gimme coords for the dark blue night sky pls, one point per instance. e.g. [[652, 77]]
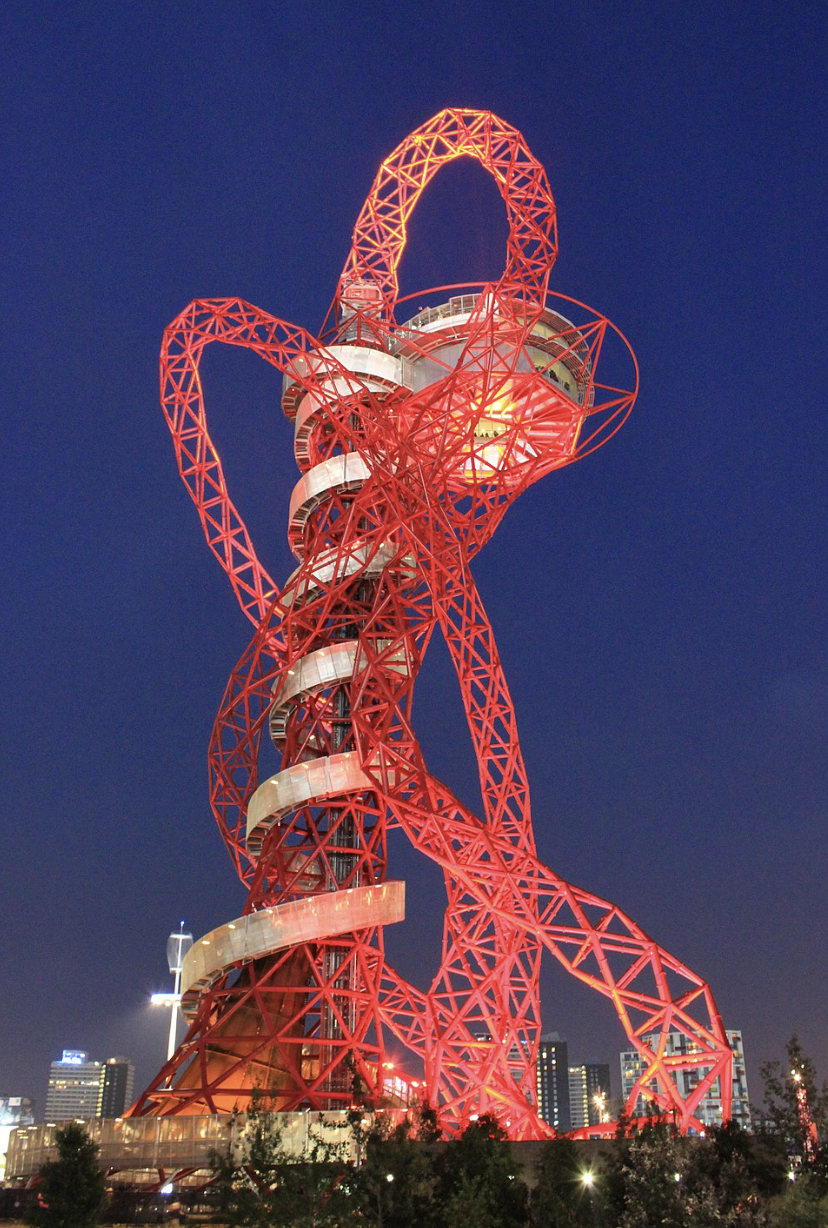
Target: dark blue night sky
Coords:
[[660, 607]]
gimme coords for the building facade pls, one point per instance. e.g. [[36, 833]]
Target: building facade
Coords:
[[553, 1082], [710, 1107], [589, 1094], [74, 1085], [80, 1088], [14, 1111], [116, 1087]]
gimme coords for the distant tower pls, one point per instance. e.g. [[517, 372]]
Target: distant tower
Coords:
[[74, 1087], [116, 1087], [589, 1094], [79, 1087], [553, 1082]]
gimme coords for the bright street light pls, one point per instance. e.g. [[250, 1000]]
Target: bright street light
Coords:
[[178, 944], [165, 999]]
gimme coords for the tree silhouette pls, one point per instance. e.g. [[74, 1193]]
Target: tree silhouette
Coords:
[[478, 1182], [262, 1185], [563, 1197], [780, 1109], [71, 1190]]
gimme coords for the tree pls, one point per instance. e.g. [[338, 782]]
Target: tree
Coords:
[[261, 1185], [71, 1189], [614, 1166], [664, 1180], [394, 1185], [652, 1179], [780, 1108], [801, 1207], [476, 1179], [566, 1191], [733, 1173], [747, 1170]]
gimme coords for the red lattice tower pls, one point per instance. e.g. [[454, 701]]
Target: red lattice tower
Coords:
[[412, 440], [808, 1136]]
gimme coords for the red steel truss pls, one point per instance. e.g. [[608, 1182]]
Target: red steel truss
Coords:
[[412, 440], [808, 1136]]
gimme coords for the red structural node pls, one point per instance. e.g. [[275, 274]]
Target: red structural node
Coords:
[[412, 439]]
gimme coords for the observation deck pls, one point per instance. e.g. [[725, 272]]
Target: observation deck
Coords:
[[431, 342]]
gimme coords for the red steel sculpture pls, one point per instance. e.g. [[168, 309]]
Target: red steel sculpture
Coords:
[[412, 440]]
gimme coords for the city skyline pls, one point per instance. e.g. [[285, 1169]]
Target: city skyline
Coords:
[[621, 1067], [677, 704]]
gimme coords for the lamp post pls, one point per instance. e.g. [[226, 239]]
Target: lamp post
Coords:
[[178, 944], [600, 1102], [588, 1182]]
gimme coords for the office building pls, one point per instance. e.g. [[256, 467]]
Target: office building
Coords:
[[710, 1106], [553, 1082], [589, 1094], [80, 1088], [115, 1094], [14, 1111], [74, 1084]]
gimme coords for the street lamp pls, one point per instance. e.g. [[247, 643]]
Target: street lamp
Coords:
[[178, 944], [600, 1102], [588, 1181]]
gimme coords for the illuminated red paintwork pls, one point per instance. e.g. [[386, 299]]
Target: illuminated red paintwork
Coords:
[[808, 1135], [413, 442]]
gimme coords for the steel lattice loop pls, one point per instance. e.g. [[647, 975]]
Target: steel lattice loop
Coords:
[[412, 439]]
